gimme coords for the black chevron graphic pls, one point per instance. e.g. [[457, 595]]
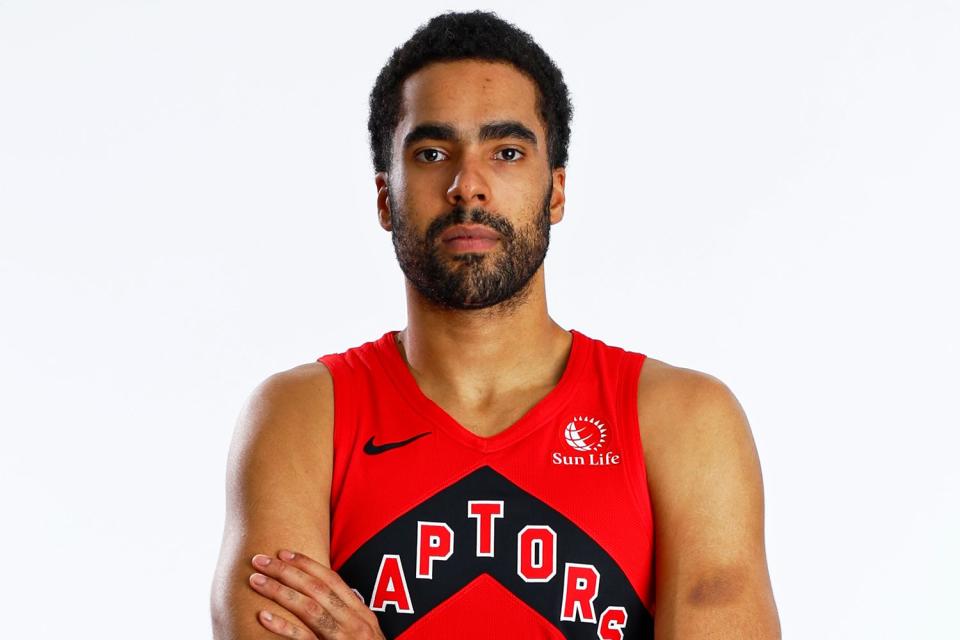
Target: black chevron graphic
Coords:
[[450, 576]]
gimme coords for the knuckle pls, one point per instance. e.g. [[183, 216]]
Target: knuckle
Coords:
[[282, 568], [358, 624], [326, 622], [336, 601], [289, 572], [366, 632], [318, 588], [333, 577], [313, 608], [281, 623], [270, 587]]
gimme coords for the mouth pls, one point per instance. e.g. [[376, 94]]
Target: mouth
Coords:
[[469, 232], [472, 238]]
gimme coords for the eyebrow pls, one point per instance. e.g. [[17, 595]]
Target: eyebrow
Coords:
[[488, 131], [507, 129]]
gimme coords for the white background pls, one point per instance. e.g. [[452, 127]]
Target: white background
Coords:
[[764, 191]]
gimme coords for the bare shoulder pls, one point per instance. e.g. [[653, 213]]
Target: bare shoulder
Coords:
[[295, 392], [676, 403], [303, 377], [706, 490], [278, 478], [680, 382], [285, 427]]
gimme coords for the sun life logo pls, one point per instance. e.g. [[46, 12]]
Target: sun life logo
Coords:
[[585, 434]]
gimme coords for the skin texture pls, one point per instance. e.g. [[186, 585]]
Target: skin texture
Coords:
[[703, 470], [468, 280], [707, 492]]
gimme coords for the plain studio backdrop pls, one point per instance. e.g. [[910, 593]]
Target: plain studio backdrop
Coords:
[[764, 191]]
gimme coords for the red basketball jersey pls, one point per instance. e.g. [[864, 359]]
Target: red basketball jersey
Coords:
[[542, 531]]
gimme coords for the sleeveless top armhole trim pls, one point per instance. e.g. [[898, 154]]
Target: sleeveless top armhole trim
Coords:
[[630, 369], [335, 365]]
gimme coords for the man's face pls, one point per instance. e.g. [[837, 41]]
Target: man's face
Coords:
[[470, 196]]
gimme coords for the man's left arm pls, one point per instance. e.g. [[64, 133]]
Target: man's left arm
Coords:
[[705, 483]]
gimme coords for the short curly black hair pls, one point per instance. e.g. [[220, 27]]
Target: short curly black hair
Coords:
[[457, 36]]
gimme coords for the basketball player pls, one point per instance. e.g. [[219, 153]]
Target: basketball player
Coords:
[[484, 472]]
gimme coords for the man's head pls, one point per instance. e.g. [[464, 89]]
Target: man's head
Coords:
[[462, 36], [470, 144]]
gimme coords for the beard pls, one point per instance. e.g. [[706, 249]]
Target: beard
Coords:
[[466, 281]]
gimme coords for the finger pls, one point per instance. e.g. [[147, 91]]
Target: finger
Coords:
[[283, 627], [340, 609], [340, 594], [306, 609]]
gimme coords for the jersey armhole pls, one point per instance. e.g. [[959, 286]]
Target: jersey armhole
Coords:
[[630, 370], [336, 366]]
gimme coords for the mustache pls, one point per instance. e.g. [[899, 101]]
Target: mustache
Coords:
[[476, 215]]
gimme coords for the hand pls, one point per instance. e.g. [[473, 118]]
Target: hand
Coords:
[[324, 606]]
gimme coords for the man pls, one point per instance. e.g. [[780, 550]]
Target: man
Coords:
[[485, 473]]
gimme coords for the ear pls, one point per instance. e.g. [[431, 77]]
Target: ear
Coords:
[[383, 202], [557, 197]]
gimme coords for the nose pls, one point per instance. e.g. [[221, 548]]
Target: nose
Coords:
[[469, 185]]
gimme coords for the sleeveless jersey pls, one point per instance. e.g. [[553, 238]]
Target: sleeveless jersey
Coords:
[[543, 530]]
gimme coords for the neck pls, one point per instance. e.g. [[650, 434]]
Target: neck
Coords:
[[465, 355]]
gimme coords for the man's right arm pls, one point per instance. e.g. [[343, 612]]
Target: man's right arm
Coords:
[[278, 492]]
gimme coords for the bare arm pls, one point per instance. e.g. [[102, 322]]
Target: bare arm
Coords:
[[712, 579], [278, 490]]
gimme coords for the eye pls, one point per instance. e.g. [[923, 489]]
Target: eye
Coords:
[[430, 156], [509, 154]]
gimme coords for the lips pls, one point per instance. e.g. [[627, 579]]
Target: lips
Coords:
[[472, 231]]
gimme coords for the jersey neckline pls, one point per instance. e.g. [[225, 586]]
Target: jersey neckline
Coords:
[[402, 378]]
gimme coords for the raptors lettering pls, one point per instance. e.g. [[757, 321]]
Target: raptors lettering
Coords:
[[536, 547], [483, 534]]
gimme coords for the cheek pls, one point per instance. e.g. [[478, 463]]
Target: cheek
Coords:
[[534, 195], [522, 186], [416, 191], [429, 187]]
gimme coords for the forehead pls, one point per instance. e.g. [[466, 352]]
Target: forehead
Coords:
[[466, 93]]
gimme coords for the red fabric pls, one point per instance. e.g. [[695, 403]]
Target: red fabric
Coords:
[[503, 616], [375, 395]]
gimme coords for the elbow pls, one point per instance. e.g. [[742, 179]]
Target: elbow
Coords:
[[219, 615], [233, 616]]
